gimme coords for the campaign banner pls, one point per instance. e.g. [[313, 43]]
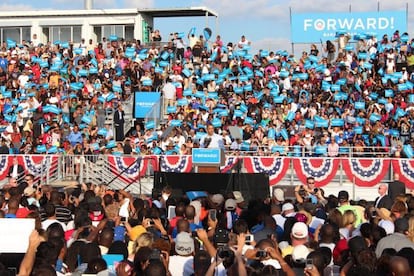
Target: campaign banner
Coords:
[[313, 27], [144, 101], [207, 156]]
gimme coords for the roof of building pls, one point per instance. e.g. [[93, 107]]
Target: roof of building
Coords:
[[173, 12]]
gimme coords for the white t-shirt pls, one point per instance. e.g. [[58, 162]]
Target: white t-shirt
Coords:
[[280, 220], [169, 91], [123, 210], [48, 222], [178, 263]]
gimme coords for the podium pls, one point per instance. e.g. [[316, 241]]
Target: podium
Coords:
[[208, 160]]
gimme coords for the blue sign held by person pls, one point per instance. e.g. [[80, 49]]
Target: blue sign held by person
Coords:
[[144, 101]]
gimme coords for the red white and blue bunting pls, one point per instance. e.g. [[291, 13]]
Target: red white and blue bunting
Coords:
[[4, 166], [120, 164], [176, 163], [405, 168], [322, 169], [365, 172], [229, 163], [38, 164], [274, 167]]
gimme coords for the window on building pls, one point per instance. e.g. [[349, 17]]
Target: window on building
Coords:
[[17, 34], [77, 33], [65, 33], [129, 33], [98, 31], [11, 33], [122, 31]]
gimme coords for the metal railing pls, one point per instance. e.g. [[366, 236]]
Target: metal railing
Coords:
[[62, 170], [314, 151]]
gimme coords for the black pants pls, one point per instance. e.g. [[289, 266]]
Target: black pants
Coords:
[[119, 132]]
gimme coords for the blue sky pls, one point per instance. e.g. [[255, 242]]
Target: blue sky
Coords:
[[264, 22]]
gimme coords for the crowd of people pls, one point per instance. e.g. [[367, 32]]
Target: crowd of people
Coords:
[[89, 229], [337, 99]]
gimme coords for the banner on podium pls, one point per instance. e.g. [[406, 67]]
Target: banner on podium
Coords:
[[209, 157]]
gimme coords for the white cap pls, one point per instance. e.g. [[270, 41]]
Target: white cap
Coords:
[[287, 206], [300, 230]]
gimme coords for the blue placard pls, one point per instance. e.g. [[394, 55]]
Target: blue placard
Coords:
[[144, 101], [206, 156], [311, 27]]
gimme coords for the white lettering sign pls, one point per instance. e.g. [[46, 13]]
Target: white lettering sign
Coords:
[[352, 24]]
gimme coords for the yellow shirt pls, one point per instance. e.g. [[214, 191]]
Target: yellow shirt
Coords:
[[136, 231]]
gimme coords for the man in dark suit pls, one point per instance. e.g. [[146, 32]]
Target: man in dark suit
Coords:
[[16, 170], [119, 123], [396, 187], [383, 201]]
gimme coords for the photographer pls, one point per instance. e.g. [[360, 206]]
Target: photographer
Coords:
[[308, 192], [267, 253], [231, 257]]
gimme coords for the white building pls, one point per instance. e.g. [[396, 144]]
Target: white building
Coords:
[[73, 25]]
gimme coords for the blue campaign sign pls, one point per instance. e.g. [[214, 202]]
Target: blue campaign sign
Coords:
[[206, 156], [144, 101], [312, 27]]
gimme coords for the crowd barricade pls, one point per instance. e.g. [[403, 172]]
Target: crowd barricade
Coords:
[[119, 172]]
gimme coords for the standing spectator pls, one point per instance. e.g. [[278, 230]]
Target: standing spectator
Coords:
[[184, 247], [50, 213], [119, 120], [396, 187], [330, 49], [243, 42], [383, 201], [344, 205], [75, 136], [397, 240], [16, 170], [333, 148], [169, 94]]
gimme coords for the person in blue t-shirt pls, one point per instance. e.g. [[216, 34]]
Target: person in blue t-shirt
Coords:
[[75, 136]]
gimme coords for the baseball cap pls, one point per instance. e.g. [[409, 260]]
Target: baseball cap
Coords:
[[300, 230], [238, 197], [28, 191], [279, 194], [300, 253], [217, 199], [230, 204], [300, 217], [184, 244], [343, 196], [287, 206]]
